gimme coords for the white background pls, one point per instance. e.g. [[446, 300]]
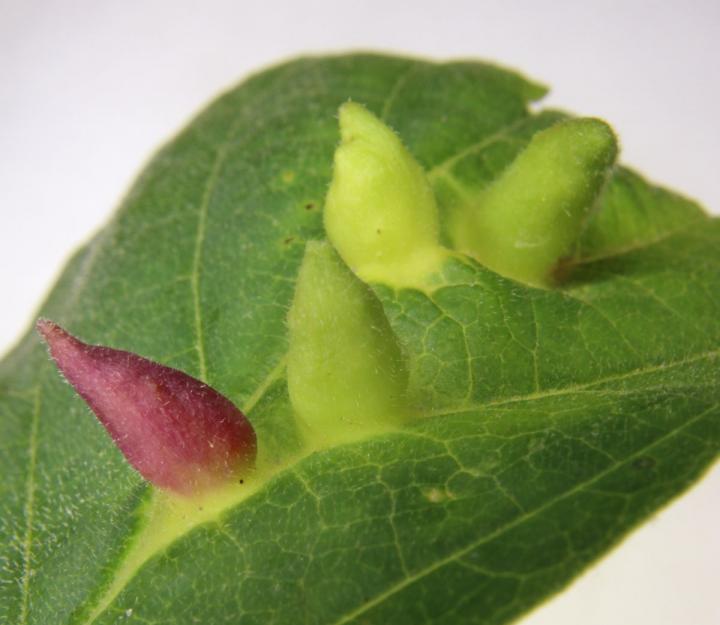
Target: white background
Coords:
[[89, 89]]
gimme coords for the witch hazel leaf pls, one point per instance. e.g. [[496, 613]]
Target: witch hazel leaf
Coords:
[[179, 433], [441, 443]]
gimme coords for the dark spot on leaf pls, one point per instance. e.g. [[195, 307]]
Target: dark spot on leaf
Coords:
[[288, 240], [241, 481], [309, 206], [644, 463]]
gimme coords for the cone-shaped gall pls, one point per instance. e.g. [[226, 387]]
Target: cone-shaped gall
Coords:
[[346, 373], [180, 434], [380, 211], [530, 218]]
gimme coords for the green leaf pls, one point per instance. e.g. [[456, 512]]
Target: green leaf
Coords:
[[547, 423]]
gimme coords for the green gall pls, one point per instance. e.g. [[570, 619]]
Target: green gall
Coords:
[[532, 216], [380, 211], [346, 374]]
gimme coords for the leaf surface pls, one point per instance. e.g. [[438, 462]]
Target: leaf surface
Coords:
[[548, 423]]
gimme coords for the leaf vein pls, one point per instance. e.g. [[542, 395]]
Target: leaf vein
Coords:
[[274, 374], [579, 388], [459, 553], [502, 133], [200, 236], [396, 89]]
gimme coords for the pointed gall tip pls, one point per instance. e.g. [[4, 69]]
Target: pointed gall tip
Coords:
[[179, 433], [46, 328]]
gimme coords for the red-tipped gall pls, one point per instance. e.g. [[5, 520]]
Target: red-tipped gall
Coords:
[[178, 433]]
